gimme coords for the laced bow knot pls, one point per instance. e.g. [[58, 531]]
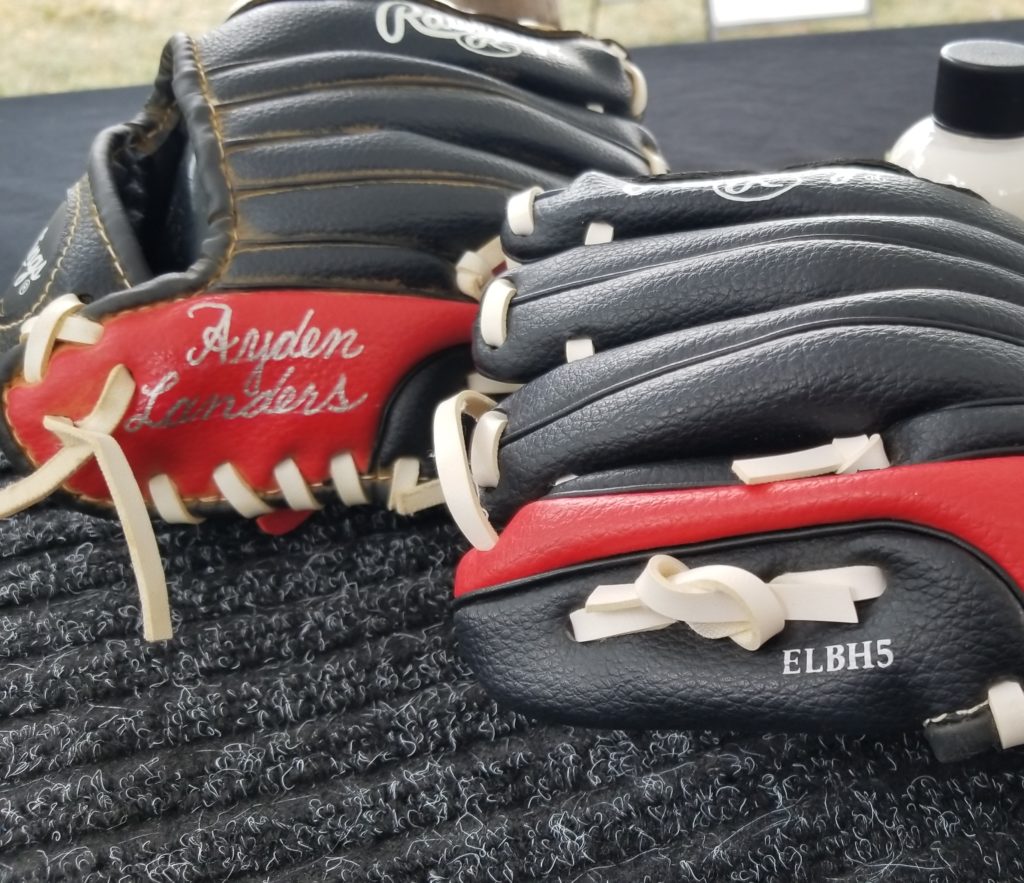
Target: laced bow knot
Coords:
[[715, 601], [91, 438], [723, 601]]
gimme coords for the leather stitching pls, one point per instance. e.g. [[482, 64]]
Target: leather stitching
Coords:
[[376, 177], [218, 134], [370, 81], [157, 126], [76, 193], [121, 275]]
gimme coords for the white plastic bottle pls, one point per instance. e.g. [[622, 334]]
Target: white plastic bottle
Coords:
[[975, 135]]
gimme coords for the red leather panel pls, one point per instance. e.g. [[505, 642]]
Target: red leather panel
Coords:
[[980, 501], [251, 377], [282, 521]]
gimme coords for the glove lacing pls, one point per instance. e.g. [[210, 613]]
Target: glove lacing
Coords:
[[87, 439], [92, 438]]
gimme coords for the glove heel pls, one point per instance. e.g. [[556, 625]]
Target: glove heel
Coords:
[[914, 604]]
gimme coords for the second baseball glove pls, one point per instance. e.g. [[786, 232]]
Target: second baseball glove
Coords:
[[767, 469]]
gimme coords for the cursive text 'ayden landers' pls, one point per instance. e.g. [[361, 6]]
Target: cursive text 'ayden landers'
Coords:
[[283, 398], [260, 348]]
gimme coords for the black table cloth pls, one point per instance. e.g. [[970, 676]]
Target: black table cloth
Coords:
[[312, 721]]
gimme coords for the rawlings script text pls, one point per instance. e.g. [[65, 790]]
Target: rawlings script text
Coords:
[[474, 36], [220, 343], [32, 267]]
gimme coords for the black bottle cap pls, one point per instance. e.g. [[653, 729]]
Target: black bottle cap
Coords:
[[980, 88]]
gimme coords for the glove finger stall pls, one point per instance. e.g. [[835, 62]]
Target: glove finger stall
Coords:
[[631, 305], [802, 389], [649, 207]]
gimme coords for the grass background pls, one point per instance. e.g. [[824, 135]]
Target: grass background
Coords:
[[60, 45]]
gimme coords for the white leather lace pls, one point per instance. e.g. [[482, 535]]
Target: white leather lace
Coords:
[[453, 470], [475, 268], [842, 456], [723, 601], [91, 438]]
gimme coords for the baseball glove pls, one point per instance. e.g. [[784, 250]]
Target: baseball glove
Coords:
[[263, 285], [767, 467]]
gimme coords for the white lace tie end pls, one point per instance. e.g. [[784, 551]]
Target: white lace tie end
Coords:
[[842, 456]]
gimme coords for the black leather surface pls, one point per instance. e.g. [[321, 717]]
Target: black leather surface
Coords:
[[405, 427], [72, 234], [979, 429], [963, 734], [584, 72], [954, 623], [685, 254], [783, 392]]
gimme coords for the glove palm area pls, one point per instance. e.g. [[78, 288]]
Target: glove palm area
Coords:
[[792, 416]]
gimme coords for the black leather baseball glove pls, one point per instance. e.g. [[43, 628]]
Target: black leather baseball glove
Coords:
[[767, 468], [264, 283]]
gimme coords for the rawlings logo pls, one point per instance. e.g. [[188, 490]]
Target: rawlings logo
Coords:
[[758, 188], [32, 267], [260, 348], [393, 16]]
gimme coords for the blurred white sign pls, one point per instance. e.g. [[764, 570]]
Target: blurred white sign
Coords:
[[731, 13]]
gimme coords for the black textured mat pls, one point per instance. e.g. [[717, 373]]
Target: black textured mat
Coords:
[[311, 721]]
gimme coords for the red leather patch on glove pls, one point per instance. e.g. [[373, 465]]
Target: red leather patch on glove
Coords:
[[976, 501], [251, 378]]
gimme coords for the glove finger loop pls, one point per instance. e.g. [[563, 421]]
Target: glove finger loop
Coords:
[[453, 470], [638, 104], [519, 212], [489, 386], [655, 160], [483, 454], [494, 311]]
